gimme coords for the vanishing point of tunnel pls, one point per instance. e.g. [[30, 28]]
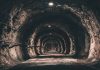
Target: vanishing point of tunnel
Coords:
[[49, 35]]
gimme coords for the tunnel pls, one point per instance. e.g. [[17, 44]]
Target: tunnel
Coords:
[[49, 35]]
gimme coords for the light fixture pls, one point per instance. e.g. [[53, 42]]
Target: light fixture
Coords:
[[50, 33], [49, 26], [58, 5], [50, 4]]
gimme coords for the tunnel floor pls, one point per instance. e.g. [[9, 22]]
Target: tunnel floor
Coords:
[[51, 59], [52, 62]]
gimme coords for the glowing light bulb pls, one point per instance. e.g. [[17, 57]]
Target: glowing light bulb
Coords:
[[50, 3], [50, 33], [49, 26]]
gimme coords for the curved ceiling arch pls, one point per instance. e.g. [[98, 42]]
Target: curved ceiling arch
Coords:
[[61, 43], [55, 35], [31, 25]]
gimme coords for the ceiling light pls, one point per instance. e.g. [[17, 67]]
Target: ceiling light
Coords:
[[50, 33], [50, 3], [49, 26]]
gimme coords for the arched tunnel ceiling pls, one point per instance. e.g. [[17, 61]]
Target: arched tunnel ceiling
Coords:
[[54, 20], [26, 26], [66, 24], [63, 43]]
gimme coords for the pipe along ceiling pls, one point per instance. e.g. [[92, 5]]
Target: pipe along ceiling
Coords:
[[34, 28]]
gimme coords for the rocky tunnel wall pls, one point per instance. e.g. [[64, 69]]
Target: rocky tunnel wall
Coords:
[[11, 48]]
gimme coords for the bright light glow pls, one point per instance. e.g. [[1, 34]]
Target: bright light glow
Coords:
[[51, 4], [58, 5], [49, 26], [50, 33]]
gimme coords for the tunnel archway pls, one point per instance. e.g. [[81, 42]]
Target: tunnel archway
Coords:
[[58, 47], [70, 26], [52, 31], [77, 19], [60, 38]]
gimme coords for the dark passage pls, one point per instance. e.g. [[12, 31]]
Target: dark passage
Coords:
[[49, 35]]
